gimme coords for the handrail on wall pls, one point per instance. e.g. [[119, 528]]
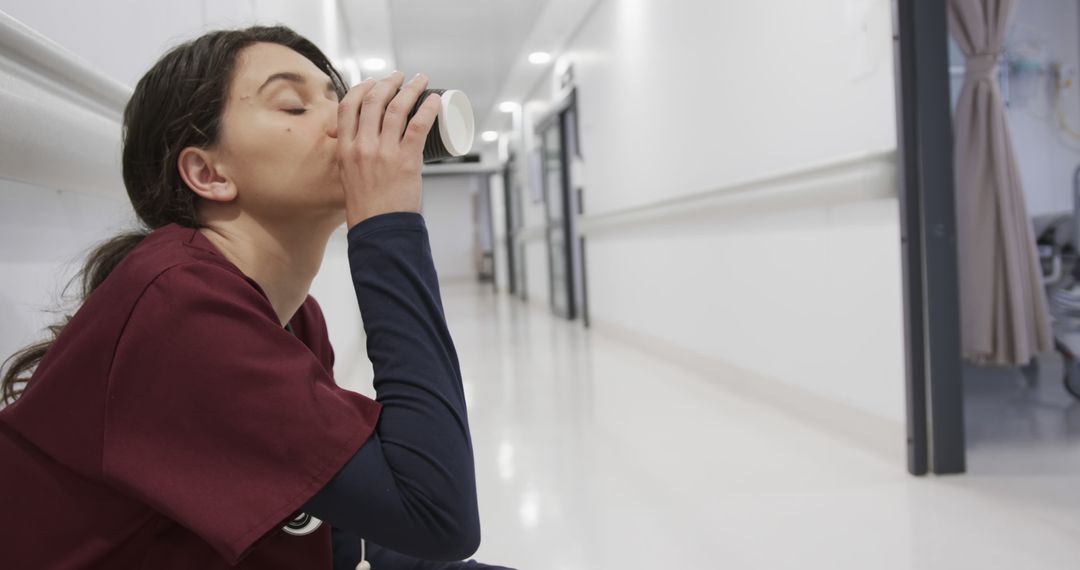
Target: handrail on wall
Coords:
[[60, 119], [837, 180], [824, 179], [30, 50]]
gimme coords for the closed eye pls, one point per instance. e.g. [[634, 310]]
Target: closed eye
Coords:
[[296, 111]]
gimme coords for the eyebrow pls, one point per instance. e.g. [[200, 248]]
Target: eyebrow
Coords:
[[295, 78]]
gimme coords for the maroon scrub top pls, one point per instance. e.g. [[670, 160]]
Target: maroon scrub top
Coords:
[[176, 424]]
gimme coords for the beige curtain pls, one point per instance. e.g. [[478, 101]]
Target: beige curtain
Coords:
[[1002, 300]]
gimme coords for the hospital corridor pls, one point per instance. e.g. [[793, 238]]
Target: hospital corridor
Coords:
[[690, 285]]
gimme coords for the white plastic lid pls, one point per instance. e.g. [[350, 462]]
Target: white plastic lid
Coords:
[[457, 128]]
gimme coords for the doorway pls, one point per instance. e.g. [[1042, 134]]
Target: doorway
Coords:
[[976, 414], [563, 192]]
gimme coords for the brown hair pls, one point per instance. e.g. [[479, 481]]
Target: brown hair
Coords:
[[178, 103]]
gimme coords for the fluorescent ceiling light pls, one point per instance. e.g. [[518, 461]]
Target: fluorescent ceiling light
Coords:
[[489, 136], [508, 106], [374, 64], [539, 57]]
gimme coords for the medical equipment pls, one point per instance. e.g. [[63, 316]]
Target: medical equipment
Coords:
[[1057, 242]]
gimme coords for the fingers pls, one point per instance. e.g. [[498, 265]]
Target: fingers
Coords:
[[417, 130], [397, 111], [349, 109], [372, 107]]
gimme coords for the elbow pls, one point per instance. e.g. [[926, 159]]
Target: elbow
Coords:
[[460, 543], [469, 542], [460, 536]]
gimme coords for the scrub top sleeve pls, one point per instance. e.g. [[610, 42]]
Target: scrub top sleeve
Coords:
[[217, 417]]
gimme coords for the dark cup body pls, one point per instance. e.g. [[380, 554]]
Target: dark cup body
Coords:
[[434, 148]]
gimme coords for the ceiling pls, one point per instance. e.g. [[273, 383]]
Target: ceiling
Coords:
[[469, 45], [477, 46]]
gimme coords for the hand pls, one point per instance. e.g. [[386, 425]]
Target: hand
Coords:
[[380, 152]]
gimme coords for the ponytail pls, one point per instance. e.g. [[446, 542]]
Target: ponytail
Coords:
[[101, 261]]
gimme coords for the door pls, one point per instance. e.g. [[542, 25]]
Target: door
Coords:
[[576, 196], [515, 251], [560, 277], [563, 192]]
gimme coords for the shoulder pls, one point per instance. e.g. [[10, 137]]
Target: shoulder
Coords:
[[197, 293], [171, 255], [201, 320], [182, 260]]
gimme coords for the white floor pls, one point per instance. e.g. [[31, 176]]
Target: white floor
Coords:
[[592, 456]]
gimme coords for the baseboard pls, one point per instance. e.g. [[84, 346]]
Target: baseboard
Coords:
[[880, 436]]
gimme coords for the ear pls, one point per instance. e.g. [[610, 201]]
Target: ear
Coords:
[[200, 172]]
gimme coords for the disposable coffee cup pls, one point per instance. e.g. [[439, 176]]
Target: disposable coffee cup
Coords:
[[454, 129]]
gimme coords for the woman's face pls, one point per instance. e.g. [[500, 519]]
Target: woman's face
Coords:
[[277, 155]]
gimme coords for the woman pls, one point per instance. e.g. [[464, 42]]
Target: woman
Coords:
[[185, 416]]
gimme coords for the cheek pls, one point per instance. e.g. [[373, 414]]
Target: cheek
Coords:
[[284, 154], [269, 157], [283, 164]]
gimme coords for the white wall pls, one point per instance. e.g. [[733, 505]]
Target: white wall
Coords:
[[678, 99], [725, 91], [44, 236], [448, 213]]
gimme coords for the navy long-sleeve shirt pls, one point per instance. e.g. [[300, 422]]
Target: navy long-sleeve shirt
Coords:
[[410, 491]]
